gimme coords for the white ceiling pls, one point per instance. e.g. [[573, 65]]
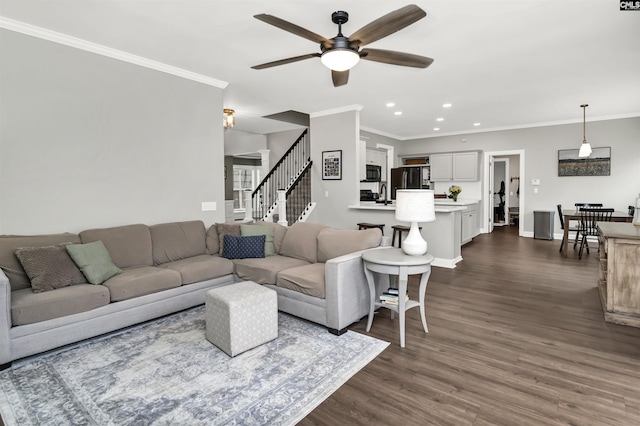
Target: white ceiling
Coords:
[[502, 63]]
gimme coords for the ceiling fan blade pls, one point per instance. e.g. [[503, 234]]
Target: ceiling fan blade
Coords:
[[340, 78], [286, 61], [387, 24], [395, 58], [292, 28]]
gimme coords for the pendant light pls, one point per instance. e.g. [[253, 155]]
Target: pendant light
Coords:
[[228, 119], [585, 148]]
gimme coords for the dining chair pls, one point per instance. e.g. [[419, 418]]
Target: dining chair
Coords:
[[588, 225], [562, 224], [580, 205]]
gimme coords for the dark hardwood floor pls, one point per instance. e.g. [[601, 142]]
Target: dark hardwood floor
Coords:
[[516, 337]]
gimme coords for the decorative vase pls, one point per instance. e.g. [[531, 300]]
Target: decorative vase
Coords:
[[455, 197]]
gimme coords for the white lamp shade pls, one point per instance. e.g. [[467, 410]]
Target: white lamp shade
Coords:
[[340, 59], [585, 150], [415, 205]]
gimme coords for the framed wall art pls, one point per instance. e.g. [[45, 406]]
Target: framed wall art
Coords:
[[597, 164], [332, 165]]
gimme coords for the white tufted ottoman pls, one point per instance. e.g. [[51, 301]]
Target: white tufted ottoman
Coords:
[[241, 316]]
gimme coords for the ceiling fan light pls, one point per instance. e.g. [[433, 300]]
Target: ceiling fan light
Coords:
[[340, 59]]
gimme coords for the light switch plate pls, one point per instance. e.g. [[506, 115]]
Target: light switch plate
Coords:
[[209, 206]]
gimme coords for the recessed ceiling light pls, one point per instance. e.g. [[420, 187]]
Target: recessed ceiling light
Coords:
[[476, 124], [390, 104], [446, 105], [436, 128], [439, 119], [398, 113]]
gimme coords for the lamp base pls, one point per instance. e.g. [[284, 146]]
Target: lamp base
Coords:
[[414, 244]]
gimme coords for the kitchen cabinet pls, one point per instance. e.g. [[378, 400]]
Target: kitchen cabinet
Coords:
[[459, 166], [469, 224], [441, 167]]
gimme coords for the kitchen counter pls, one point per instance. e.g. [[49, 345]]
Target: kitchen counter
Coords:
[[444, 236], [372, 205]]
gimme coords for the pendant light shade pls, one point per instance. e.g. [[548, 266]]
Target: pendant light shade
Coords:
[[585, 148], [228, 119]]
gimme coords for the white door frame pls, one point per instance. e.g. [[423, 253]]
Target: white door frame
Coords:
[[488, 204]]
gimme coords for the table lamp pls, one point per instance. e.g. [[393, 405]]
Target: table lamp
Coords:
[[415, 205]]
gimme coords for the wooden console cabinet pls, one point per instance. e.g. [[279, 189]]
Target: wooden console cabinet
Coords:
[[619, 281]]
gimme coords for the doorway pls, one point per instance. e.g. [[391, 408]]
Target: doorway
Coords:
[[512, 173]]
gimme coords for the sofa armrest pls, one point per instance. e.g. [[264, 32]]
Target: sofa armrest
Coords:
[[5, 318], [347, 291]]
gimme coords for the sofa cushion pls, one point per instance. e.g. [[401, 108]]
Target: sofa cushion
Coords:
[[337, 242], [28, 307], [94, 261], [227, 229], [49, 267], [140, 281], [265, 270], [200, 268], [177, 240], [301, 241], [307, 279], [243, 247], [279, 232], [128, 245], [11, 265], [213, 240], [267, 231]]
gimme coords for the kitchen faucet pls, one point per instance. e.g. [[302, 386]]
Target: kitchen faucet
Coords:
[[383, 189]]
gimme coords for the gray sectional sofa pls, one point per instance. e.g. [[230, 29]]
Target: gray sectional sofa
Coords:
[[316, 271]]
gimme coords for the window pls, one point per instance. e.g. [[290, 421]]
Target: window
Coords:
[[244, 178]]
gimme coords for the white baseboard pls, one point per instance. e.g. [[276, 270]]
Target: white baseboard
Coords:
[[446, 263]]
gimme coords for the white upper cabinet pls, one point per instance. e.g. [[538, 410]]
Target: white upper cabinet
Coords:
[[465, 166], [461, 166], [441, 167]]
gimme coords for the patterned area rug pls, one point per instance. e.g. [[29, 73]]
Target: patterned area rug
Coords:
[[165, 372]]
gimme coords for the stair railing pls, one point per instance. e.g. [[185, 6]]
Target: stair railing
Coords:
[[281, 176]]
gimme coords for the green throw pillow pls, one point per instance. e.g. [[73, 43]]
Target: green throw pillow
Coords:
[[267, 231], [94, 261]]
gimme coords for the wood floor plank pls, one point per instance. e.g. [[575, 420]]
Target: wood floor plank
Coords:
[[517, 337]]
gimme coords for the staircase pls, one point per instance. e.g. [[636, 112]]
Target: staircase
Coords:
[[291, 176]]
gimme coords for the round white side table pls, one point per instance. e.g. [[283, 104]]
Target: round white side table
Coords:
[[394, 262]]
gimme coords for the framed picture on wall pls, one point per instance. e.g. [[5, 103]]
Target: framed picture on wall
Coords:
[[332, 165], [597, 164]]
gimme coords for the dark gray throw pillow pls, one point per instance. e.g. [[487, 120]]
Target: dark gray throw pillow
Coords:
[[94, 261], [49, 267]]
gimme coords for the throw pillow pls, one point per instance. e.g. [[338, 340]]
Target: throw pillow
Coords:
[[267, 231], [94, 261], [227, 229], [243, 247], [49, 267]]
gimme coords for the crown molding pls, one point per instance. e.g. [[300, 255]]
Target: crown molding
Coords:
[[67, 40]]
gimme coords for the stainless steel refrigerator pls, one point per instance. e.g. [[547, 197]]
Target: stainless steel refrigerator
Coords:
[[415, 177]]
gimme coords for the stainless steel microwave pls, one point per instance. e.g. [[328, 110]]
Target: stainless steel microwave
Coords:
[[374, 173]]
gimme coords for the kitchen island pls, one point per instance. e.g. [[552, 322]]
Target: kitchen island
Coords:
[[444, 237]]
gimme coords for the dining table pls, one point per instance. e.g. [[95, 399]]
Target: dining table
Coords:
[[572, 214]]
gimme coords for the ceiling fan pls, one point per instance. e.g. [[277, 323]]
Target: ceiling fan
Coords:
[[342, 53]]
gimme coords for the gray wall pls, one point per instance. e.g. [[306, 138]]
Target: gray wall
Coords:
[[541, 145], [329, 133], [278, 143], [89, 141], [239, 142]]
